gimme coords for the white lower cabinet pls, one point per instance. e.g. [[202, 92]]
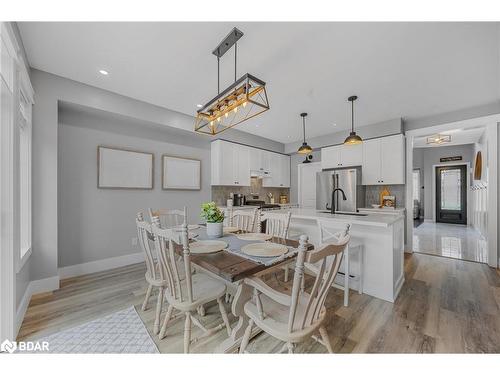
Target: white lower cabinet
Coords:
[[384, 161]]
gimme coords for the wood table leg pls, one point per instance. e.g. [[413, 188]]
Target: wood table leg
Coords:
[[231, 344]]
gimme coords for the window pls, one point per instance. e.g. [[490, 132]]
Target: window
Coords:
[[25, 129]]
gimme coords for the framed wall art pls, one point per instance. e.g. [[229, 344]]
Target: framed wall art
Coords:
[[119, 168], [180, 173]]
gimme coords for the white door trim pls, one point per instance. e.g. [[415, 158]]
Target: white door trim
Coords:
[[433, 192], [7, 149], [491, 123]]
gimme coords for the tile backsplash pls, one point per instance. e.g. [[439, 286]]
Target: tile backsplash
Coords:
[[373, 191], [220, 194]]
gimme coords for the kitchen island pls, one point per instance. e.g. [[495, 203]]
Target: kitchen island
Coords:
[[382, 238]]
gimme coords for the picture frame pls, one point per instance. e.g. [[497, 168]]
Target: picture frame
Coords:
[[122, 168], [180, 173]]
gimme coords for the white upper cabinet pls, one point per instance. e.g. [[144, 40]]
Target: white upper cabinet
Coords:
[[230, 164], [279, 171], [384, 161], [341, 156], [233, 164]]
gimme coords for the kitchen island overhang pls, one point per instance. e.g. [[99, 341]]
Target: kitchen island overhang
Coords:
[[382, 238]]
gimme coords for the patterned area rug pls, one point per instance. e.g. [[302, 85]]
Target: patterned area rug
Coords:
[[121, 332]]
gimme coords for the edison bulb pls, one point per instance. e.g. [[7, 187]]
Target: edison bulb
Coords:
[[235, 109], [227, 114], [244, 104]]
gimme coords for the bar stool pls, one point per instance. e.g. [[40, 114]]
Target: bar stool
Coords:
[[354, 248]]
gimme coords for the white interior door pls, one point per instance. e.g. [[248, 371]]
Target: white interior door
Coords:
[[307, 184]]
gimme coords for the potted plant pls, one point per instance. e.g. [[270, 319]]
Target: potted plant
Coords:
[[214, 217]]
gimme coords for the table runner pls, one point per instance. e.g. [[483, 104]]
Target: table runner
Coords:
[[235, 244]]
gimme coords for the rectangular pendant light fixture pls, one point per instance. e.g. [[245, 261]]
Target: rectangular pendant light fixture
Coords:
[[244, 99]]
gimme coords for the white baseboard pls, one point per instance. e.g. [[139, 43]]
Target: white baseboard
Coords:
[[428, 220], [100, 265], [36, 286]]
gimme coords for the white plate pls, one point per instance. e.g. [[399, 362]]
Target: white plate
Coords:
[[254, 236], [265, 249], [207, 246], [231, 229]]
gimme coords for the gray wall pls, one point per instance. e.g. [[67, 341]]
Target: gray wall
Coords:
[[96, 223], [431, 156], [51, 92]]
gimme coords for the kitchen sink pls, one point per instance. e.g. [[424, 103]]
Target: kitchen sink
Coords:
[[344, 213]]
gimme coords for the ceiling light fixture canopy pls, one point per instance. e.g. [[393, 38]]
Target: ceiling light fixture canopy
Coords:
[[305, 148], [439, 139], [244, 99], [353, 138]]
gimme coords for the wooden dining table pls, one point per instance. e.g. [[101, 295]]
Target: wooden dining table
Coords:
[[232, 270]]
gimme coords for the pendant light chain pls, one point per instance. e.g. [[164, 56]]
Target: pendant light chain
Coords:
[[218, 75], [352, 115], [235, 58], [304, 127]]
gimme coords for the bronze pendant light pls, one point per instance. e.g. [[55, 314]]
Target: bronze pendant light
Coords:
[[305, 148], [243, 100], [353, 138]]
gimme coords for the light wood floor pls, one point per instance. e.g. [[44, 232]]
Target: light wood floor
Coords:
[[445, 305]]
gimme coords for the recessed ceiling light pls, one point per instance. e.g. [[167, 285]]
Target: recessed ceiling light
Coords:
[[199, 105], [103, 72], [334, 124]]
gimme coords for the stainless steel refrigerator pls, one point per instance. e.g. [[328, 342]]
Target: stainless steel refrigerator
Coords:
[[349, 180]]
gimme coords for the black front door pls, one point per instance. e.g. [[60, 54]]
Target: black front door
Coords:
[[451, 194]]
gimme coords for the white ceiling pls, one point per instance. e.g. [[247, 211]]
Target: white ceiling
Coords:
[[408, 70], [458, 137]]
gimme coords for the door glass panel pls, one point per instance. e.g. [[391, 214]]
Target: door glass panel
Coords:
[[451, 184]]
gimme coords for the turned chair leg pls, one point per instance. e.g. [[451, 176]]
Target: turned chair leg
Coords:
[[224, 316], [286, 273], [148, 294], [246, 336], [290, 347], [165, 322], [325, 338], [187, 332], [346, 277], [159, 306]]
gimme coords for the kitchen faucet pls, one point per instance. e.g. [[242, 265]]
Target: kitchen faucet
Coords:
[[332, 208]]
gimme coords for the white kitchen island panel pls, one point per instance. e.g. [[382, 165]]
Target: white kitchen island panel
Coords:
[[382, 237]]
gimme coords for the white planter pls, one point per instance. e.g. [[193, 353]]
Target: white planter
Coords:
[[214, 230]]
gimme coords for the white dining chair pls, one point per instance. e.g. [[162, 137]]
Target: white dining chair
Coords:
[[153, 275], [354, 248], [296, 317], [188, 294], [169, 218], [243, 219], [276, 224]]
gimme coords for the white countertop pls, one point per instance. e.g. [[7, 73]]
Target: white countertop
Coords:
[[384, 210], [375, 219]]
